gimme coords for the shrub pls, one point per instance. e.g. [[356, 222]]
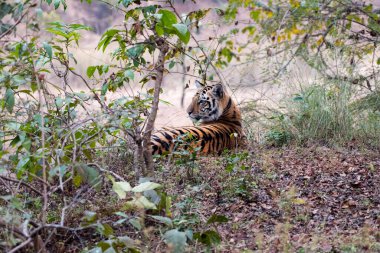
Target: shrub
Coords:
[[327, 114]]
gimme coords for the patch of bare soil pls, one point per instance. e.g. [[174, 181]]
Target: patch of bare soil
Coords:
[[293, 200]]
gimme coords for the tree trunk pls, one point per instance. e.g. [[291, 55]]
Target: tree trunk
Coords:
[[163, 47]]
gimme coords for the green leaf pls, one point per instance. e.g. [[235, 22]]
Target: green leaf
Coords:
[[159, 29], [168, 18], [13, 126], [135, 223], [5, 9], [111, 250], [59, 102], [217, 218], [58, 170], [208, 238], [9, 100], [157, 16], [135, 51], [129, 73], [144, 202], [171, 64], [107, 38], [368, 8], [122, 214], [77, 180], [105, 68], [105, 229], [126, 3], [18, 80], [104, 89], [88, 174], [146, 186], [167, 221], [22, 162], [80, 27], [121, 188], [64, 4], [90, 217], [100, 69], [176, 239], [56, 3], [255, 15], [378, 61], [182, 32], [90, 71], [127, 241], [48, 49], [141, 203]]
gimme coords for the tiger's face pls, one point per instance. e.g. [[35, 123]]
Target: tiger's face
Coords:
[[208, 103]]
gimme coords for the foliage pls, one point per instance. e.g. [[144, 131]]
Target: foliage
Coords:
[[321, 35], [323, 115], [54, 138], [310, 27], [145, 197], [61, 147], [235, 161]]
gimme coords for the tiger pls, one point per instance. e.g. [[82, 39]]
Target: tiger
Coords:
[[220, 125]]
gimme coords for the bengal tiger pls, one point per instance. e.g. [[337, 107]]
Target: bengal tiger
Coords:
[[220, 123]]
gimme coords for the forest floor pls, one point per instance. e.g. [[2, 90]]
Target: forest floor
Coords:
[[291, 199], [314, 199]]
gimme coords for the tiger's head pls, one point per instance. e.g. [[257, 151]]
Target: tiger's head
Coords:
[[209, 103]]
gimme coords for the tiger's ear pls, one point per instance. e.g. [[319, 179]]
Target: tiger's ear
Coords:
[[218, 90], [199, 84]]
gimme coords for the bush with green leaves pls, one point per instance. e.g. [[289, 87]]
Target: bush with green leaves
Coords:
[[57, 143]]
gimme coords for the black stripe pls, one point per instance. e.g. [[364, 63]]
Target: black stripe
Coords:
[[203, 143], [163, 144], [167, 136], [173, 132], [209, 128], [205, 135], [201, 130], [228, 106], [156, 138], [215, 146], [196, 133], [217, 138], [189, 131]]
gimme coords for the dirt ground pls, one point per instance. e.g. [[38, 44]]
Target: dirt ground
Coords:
[[315, 199]]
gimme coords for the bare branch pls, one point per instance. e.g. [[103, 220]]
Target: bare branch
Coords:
[[21, 245], [103, 105], [44, 178], [209, 61], [18, 21], [23, 183]]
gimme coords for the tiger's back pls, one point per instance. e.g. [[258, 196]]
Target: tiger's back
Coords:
[[220, 124]]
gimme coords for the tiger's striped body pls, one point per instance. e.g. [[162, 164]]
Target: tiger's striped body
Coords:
[[220, 126]]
